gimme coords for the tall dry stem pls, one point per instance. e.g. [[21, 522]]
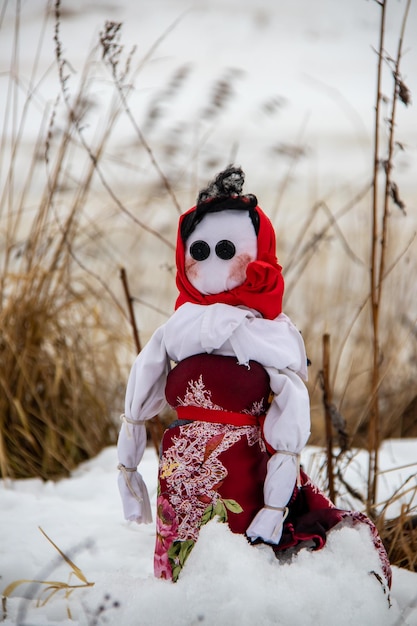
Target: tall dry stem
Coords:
[[380, 217]]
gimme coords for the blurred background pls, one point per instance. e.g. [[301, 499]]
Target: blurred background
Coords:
[[115, 114]]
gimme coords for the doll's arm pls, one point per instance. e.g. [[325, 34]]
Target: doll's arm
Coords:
[[286, 429], [144, 399], [130, 448]]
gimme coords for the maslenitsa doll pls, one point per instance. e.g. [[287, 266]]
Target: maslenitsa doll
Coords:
[[233, 367]]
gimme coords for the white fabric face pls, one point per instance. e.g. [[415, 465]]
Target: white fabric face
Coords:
[[214, 274]]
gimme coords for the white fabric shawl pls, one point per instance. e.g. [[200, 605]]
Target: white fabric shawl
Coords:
[[230, 331]]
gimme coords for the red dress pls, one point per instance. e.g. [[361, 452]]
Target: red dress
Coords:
[[214, 461]]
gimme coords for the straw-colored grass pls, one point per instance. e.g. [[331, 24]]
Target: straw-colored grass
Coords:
[[86, 206], [400, 539], [49, 588], [55, 401], [60, 378]]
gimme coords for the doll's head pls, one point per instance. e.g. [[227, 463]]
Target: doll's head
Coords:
[[226, 250], [219, 250]]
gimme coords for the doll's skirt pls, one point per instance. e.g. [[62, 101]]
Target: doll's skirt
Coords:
[[209, 470], [206, 470], [311, 515]]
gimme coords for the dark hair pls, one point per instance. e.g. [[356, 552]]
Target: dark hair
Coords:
[[222, 194], [228, 203]]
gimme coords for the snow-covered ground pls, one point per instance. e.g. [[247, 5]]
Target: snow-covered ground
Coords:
[[225, 581], [302, 76]]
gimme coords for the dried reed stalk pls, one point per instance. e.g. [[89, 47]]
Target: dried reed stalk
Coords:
[[327, 399], [154, 425], [379, 245], [50, 587]]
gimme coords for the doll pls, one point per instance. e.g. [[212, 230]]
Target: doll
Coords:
[[233, 366]]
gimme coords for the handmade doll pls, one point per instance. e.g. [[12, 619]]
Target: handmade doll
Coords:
[[233, 367]]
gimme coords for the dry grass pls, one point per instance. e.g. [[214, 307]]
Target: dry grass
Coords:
[[373, 379], [64, 328], [400, 539], [57, 371], [49, 588], [60, 379], [55, 405], [399, 534]]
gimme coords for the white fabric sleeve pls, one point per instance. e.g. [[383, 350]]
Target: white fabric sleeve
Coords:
[[286, 429], [133, 491], [145, 392], [276, 344], [145, 397]]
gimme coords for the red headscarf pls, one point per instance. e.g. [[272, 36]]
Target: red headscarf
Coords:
[[263, 288]]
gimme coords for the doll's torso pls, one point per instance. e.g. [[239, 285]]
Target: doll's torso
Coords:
[[213, 462], [207, 384]]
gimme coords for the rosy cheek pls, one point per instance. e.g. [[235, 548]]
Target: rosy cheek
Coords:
[[191, 269], [238, 267]]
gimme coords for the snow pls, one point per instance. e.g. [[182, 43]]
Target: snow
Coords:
[[224, 581], [315, 61]]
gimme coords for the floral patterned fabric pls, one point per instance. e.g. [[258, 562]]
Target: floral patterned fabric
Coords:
[[213, 468], [208, 470], [213, 382], [205, 470]]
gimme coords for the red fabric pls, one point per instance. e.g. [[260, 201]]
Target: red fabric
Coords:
[[312, 515], [246, 472], [198, 477], [263, 288], [218, 416], [205, 469], [244, 480], [212, 381]]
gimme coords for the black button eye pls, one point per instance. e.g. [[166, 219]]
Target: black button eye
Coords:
[[200, 250], [225, 249]]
